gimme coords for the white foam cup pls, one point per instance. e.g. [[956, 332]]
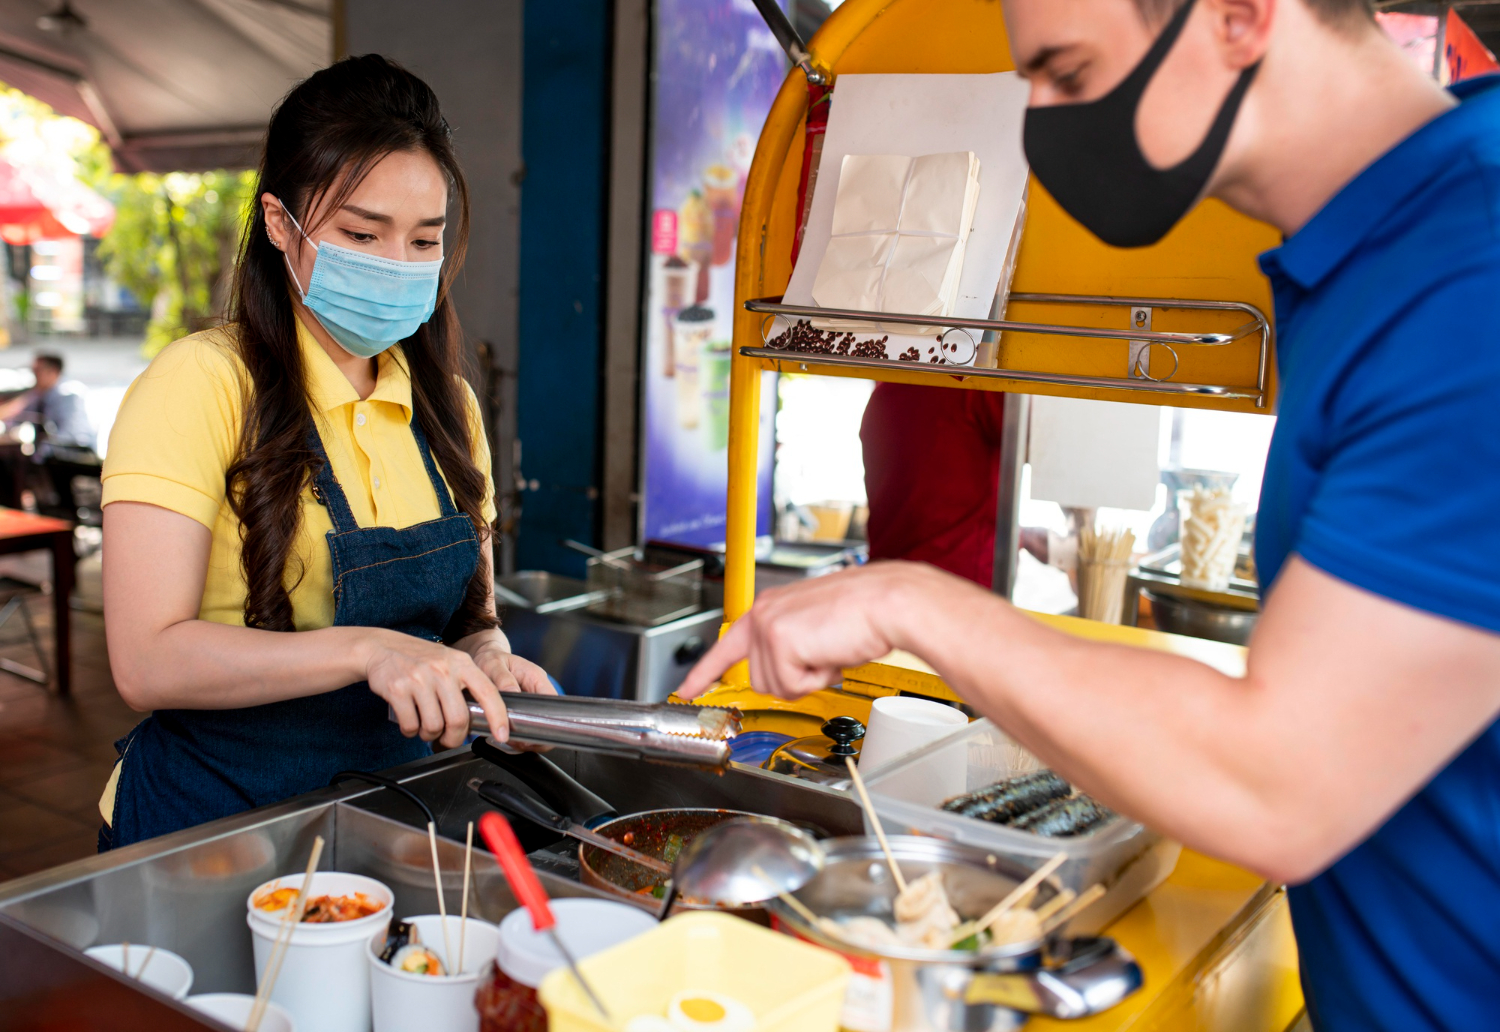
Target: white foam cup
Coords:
[[233, 1009], [586, 927], [164, 971], [325, 980], [401, 1001], [899, 724]]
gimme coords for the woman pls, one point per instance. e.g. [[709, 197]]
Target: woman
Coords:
[[296, 505]]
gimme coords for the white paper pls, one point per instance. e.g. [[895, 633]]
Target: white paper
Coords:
[[893, 115], [1092, 454]]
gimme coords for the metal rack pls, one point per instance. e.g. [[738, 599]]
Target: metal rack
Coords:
[[1140, 337]]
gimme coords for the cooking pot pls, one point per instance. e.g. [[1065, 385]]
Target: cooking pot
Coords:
[[913, 989]]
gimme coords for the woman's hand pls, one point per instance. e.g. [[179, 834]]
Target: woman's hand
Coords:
[[491, 652], [424, 683]]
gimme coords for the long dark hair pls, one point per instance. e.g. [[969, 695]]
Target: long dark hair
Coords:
[[324, 138]]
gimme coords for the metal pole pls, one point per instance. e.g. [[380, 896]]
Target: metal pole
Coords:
[[1014, 432]]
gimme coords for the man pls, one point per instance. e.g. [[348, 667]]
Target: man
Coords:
[[1358, 757], [57, 412]]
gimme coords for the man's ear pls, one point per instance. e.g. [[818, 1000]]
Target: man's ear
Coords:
[[1243, 28]]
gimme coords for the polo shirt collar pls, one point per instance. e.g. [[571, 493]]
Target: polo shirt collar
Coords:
[[1348, 219], [328, 388]]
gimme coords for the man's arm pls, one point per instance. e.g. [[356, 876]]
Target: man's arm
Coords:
[[1350, 702]]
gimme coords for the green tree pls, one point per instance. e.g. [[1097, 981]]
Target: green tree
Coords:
[[173, 245]]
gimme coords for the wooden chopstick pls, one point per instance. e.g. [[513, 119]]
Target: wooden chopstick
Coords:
[[282, 945], [437, 880], [1073, 908], [1017, 894], [864, 798], [463, 920]]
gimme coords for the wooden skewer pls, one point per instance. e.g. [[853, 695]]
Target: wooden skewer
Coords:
[[437, 880], [864, 798], [463, 920], [144, 964], [1055, 904], [1017, 894], [1073, 908], [282, 945], [125, 957], [828, 925]]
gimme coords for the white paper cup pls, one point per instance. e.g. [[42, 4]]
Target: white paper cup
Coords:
[[325, 979], [402, 1001], [586, 927], [233, 1009], [899, 724], [166, 972]]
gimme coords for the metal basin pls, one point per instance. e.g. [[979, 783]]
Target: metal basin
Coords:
[[1201, 619]]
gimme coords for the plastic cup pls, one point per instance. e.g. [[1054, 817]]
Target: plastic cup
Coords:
[[401, 1000], [899, 724], [233, 1009], [325, 980], [165, 972]]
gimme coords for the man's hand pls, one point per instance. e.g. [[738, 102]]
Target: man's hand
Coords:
[[799, 638]]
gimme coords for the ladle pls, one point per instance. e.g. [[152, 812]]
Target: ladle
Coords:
[[747, 861]]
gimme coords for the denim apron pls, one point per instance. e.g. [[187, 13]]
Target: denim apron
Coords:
[[184, 767]]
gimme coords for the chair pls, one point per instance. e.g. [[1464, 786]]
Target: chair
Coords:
[[13, 595]]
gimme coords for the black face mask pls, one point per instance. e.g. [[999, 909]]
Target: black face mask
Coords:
[[1088, 158]]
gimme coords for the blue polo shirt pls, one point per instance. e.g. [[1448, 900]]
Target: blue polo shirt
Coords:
[[1385, 473]]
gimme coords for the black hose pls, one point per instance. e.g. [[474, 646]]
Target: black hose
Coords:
[[385, 782]]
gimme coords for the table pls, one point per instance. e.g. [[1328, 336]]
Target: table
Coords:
[[25, 532]]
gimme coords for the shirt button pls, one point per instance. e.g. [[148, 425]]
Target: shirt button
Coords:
[[359, 419], [377, 481]]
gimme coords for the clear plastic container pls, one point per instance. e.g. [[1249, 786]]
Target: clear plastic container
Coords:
[[789, 985], [1126, 857]]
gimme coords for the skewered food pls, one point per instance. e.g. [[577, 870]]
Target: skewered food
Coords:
[[398, 934], [321, 909], [1040, 803], [924, 917]]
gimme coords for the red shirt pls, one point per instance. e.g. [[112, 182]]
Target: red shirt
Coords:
[[932, 473]]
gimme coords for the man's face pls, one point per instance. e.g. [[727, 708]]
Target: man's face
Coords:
[[46, 376], [1073, 51]]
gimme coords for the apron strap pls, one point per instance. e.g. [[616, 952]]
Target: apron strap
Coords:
[[326, 488], [444, 496]]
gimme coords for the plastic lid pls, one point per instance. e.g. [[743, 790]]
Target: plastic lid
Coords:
[[587, 926]]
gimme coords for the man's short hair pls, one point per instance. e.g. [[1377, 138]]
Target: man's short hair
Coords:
[[51, 361], [1330, 11]]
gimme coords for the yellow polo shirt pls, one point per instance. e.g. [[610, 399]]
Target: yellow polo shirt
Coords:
[[178, 430]]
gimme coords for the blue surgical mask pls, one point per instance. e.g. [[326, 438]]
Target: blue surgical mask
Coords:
[[365, 302]]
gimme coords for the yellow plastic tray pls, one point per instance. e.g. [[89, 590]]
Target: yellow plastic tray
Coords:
[[790, 985]]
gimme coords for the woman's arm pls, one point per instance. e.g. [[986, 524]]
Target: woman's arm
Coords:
[[164, 657]]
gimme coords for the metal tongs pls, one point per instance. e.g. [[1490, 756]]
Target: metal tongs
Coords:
[[661, 732]]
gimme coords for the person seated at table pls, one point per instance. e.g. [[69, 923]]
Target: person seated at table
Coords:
[[297, 505], [62, 424]]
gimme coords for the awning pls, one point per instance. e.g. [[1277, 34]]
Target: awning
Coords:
[[173, 85], [35, 205]]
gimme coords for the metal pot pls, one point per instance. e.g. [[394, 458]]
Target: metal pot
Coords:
[[651, 832], [909, 989], [1178, 615]]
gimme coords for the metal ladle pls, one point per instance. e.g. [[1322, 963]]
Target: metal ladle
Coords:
[[746, 861]]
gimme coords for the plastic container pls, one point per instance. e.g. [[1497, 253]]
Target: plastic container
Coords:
[[401, 1000], [325, 978], [162, 970], [526, 956], [790, 986], [233, 1009], [1128, 858]]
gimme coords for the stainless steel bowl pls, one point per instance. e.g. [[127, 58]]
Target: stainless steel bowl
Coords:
[[1201, 619]]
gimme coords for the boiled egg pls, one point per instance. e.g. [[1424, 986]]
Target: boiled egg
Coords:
[[709, 1012]]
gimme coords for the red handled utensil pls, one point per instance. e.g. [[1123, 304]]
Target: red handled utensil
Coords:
[[501, 839]]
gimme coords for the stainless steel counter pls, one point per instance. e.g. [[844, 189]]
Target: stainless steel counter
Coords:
[[186, 892]]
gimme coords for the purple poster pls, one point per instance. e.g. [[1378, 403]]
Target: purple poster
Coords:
[[718, 69]]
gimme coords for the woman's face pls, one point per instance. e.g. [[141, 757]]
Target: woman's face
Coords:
[[397, 211]]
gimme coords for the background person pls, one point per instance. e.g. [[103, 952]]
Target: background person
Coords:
[[1359, 756]]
